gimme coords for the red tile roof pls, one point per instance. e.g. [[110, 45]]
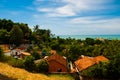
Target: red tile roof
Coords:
[[85, 61], [100, 58], [57, 63], [57, 58]]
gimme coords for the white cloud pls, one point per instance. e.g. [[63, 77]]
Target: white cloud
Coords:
[[62, 12], [73, 7], [44, 9], [88, 20], [77, 24], [95, 25], [94, 20]]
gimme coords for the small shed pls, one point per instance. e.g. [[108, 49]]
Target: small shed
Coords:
[[57, 63]]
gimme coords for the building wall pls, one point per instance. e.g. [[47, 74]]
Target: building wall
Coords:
[[55, 66]]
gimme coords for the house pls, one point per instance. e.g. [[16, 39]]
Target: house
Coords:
[[22, 48], [85, 62], [19, 53], [57, 63]]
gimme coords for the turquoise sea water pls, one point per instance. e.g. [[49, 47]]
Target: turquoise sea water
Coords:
[[83, 37]]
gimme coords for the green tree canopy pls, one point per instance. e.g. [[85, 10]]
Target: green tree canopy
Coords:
[[16, 35], [4, 36]]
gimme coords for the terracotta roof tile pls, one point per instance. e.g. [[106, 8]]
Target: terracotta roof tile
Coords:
[[84, 62], [57, 58], [100, 58], [26, 53]]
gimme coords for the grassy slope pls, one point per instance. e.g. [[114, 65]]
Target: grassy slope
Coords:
[[21, 74]]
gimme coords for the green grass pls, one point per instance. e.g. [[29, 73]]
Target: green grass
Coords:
[[61, 77]]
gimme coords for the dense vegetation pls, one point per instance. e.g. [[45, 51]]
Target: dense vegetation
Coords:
[[44, 41]]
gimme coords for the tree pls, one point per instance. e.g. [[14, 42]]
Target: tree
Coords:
[[73, 53], [16, 35], [6, 24], [36, 28], [25, 29], [4, 36], [97, 70], [89, 41], [36, 55], [114, 68]]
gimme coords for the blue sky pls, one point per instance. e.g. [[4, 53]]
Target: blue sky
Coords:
[[65, 17]]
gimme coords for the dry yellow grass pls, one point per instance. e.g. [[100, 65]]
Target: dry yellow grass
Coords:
[[21, 74]]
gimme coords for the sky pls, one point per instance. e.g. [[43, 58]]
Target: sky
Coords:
[[65, 17]]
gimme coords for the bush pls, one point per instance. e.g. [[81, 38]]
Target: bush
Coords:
[[42, 66], [16, 62], [29, 63], [3, 58], [113, 70], [98, 70], [36, 55], [1, 54]]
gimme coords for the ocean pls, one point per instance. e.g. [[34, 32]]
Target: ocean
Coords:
[[83, 37]]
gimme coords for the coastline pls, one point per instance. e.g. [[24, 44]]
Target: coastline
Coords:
[[83, 37]]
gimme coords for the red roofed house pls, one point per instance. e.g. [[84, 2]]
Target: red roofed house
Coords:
[[84, 62], [57, 63], [19, 53]]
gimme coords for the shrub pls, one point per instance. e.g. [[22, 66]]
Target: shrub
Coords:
[[1, 54], [3, 58], [16, 62], [42, 66], [29, 63], [36, 55], [98, 70], [113, 70]]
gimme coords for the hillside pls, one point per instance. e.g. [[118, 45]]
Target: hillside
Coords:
[[10, 73]]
